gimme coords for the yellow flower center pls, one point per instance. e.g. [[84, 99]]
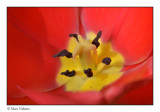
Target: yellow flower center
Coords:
[[90, 73]]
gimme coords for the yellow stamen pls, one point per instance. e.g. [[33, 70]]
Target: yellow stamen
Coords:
[[85, 56]]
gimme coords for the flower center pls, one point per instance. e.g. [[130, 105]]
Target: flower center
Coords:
[[88, 65]]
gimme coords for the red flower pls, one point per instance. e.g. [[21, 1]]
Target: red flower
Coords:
[[35, 34]]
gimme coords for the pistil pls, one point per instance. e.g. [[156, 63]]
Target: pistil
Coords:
[[86, 58]]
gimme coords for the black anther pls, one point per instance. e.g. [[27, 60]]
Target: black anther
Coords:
[[106, 60], [95, 41], [64, 53], [69, 74], [74, 35], [88, 72]]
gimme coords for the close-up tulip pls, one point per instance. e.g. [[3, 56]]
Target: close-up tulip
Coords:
[[79, 56]]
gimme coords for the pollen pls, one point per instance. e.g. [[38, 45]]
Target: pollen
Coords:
[[88, 64]]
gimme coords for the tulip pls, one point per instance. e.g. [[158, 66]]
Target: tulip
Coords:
[[79, 55]]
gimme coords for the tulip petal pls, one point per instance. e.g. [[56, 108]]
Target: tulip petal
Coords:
[[29, 63], [141, 96], [104, 19], [60, 22], [20, 101], [135, 38], [50, 25], [142, 73], [34, 34], [60, 97]]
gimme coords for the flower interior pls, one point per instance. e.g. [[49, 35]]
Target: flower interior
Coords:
[[88, 64]]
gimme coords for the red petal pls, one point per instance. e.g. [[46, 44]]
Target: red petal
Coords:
[[29, 62], [140, 96], [60, 97], [135, 37], [105, 19], [20, 101], [60, 22], [51, 25], [140, 74], [33, 34]]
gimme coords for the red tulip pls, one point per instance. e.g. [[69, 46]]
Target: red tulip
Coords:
[[36, 34]]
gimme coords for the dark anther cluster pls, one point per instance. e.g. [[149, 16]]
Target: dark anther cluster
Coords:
[[95, 41], [88, 72], [74, 35], [69, 74], [106, 60], [64, 53]]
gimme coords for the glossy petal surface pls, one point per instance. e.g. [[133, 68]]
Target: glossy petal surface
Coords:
[[140, 96], [32, 41], [104, 19], [135, 37], [50, 25], [27, 64], [20, 101], [59, 96]]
